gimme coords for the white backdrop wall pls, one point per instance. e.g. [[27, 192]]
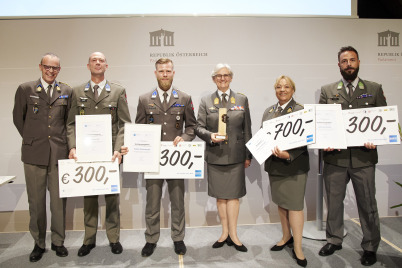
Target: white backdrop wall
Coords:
[[258, 49]]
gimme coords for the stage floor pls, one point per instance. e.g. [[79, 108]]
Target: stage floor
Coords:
[[16, 247]]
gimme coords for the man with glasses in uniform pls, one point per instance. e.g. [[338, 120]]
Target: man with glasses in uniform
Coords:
[[40, 114]]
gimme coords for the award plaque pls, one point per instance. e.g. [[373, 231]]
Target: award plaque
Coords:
[[222, 124]]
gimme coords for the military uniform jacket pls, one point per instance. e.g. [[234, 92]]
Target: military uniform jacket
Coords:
[[112, 100], [42, 122], [238, 128], [178, 115], [299, 158], [367, 94]]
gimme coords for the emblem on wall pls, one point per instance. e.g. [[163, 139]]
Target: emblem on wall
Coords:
[[157, 38], [388, 38]]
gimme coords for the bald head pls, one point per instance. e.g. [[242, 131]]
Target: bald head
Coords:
[[97, 65], [97, 55]]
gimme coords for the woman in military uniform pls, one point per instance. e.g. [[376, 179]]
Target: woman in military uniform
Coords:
[[226, 156], [287, 171]]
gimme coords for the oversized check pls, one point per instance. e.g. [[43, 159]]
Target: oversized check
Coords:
[[329, 128], [184, 161], [93, 137], [82, 179], [143, 142], [378, 125], [292, 130]]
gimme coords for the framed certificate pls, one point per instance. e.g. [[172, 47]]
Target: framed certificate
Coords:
[[330, 132], [93, 138], [143, 142]]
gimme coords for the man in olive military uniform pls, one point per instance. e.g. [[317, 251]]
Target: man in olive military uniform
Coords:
[[354, 163], [40, 114], [99, 96], [173, 109]]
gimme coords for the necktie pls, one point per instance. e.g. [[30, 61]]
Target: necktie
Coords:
[[96, 92], [49, 92], [350, 87], [278, 112], [165, 103], [224, 101]]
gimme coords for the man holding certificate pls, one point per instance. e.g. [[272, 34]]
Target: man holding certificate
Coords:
[[40, 114], [96, 97], [173, 109], [354, 163]]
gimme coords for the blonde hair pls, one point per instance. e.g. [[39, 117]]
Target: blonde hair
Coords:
[[163, 61], [287, 79]]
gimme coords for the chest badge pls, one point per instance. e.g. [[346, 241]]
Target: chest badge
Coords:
[[35, 108]]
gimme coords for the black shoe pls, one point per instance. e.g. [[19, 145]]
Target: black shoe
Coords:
[[218, 244], [230, 243], [368, 258], [36, 254], [180, 247], [279, 248], [300, 262], [85, 250], [241, 248], [61, 251], [148, 249], [116, 248], [329, 249]]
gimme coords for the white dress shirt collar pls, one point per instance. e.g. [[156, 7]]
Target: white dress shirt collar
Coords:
[[101, 86], [160, 93]]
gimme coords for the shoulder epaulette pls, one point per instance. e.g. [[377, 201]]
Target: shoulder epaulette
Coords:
[[63, 83], [115, 83]]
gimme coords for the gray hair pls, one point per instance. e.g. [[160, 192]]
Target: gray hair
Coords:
[[51, 55], [220, 66]]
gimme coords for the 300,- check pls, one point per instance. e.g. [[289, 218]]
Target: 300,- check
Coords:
[[184, 161], [82, 179]]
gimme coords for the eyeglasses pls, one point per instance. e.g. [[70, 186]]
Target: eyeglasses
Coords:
[[220, 76], [47, 67]]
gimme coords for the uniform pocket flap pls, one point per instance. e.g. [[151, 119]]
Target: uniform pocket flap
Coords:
[[27, 140], [84, 105]]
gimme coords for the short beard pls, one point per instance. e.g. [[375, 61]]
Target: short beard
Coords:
[[350, 77], [165, 86]]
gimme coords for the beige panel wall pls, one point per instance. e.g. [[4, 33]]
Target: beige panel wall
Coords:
[[258, 49]]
